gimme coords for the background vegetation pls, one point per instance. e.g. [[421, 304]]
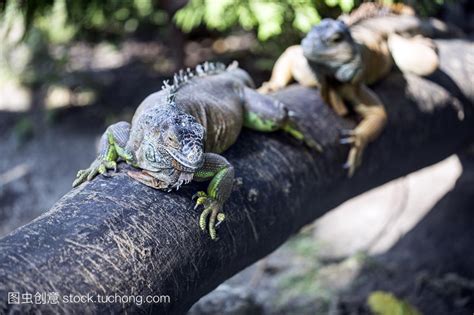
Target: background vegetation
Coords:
[[62, 20], [40, 37]]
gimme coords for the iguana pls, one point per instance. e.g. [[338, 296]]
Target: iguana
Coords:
[[342, 59], [176, 134]]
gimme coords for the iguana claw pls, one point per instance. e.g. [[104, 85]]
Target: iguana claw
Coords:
[[347, 132], [199, 194], [211, 208], [97, 167], [358, 144], [293, 130]]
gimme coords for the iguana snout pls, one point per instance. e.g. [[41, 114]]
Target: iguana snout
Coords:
[[331, 50], [184, 142], [190, 157], [330, 41], [173, 145], [325, 37]]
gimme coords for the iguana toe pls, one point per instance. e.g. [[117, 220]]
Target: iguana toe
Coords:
[[199, 194], [212, 211], [358, 144], [200, 201], [203, 218], [80, 178], [97, 167], [212, 222], [296, 133]]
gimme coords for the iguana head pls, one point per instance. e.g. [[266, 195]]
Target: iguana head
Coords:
[[171, 150], [330, 49]]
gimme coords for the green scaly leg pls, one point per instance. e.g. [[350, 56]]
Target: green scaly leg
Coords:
[[265, 114], [111, 148], [221, 173]]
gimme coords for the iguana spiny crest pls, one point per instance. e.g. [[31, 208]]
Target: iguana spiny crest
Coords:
[[183, 76]]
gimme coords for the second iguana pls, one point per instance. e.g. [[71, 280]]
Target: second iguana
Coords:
[[342, 59], [176, 134]]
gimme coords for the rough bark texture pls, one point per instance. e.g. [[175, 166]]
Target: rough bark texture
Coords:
[[116, 236]]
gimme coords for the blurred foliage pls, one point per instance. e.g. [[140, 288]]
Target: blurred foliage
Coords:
[[385, 303], [37, 34], [62, 20], [267, 17], [271, 17], [304, 281]]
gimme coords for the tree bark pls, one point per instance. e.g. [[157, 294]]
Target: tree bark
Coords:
[[116, 237]]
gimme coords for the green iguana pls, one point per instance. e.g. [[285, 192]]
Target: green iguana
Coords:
[[176, 134], [341, 60]]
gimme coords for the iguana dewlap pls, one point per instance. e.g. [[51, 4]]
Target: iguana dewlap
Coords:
[[341, 60], [178, 133]]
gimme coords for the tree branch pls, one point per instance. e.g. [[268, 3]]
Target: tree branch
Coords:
[[114, 236]]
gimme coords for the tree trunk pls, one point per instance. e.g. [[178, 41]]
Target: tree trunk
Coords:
[[114, 236]]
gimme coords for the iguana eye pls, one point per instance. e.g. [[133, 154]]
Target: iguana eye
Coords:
[[171, 140], [150, 154], [336, 38]]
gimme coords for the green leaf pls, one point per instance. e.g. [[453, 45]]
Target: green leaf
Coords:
[[55, 24], [332, 3], [190, 16], [346, 5], [215, 13], [269, 16], [144, 7], [385, 303], [305, 18], [246, 18]]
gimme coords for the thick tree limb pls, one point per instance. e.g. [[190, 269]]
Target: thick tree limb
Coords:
[[116, 236]]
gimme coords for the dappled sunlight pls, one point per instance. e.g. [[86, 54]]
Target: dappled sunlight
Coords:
[[59, 96], [390, 211], [15, 173], [14, 97], [233, 43]]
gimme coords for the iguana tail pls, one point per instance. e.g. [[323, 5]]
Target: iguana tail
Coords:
[[181, 77]]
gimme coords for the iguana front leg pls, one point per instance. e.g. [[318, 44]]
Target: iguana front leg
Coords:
[[221, 173], [265, 114], [374, 117], [111, 148], [290, 65]]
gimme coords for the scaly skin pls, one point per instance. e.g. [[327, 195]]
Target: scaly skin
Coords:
[[176, 135], [342, 60]]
